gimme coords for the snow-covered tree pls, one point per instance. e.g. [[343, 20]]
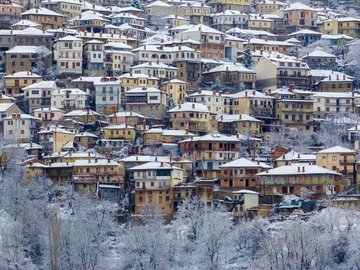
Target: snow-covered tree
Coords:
[[352, 62], [248, 60]]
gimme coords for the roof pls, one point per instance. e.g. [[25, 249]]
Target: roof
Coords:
[[246, 191], [41, 85], [137, 75], [158, 3], [153, 65], [121, 126], [336, 149], [95, 162], [250, 94], [169, 132], [23, 74], [48, 109], [143, 90], [154, 166], [292, 155], [230, 67], [26, 23], [298, 169], [243, 162], [319, 53], [190, 107], [86, 134], [81, 113], [5, 106], [214, 137], [202, 28], [127, 114], [41, 11], [235, 118], [333, 94], [22, 116], [69, 38], [305, 32], [298, 6], [55, 129], [73, 91]]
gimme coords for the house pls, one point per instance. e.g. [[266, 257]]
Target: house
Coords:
[[189, 71], [86, 139], [260, 22], [212, 45], [69, 99], [319, 59], [294, 157], [348, 26], [244, 200], [167, 136], [20, 58], [130, 81], [276, 70], [197, 12], [216, 102], [68, 54], [22, 128], [228, 19], [84, 116], [122, 131], [267, 45], [241, 173], [294, 108], [337, 158], [38, 95], [176, 90], [93, 57], [8, 109], [10, 13], [68, 8], [156, 69], [327, 103], [335, 82], [209, 152], [52, 139], [299, 15], [194, 117], [107, 95], [175, 20], [14, 83], [306, 36], [153, 186], [90, 21], [311, 181], [48, 114], [118, 58], [268, 6], [131, 118], [23, 24], [88, 174], [48, 19], [148, 101], [240, 5], [238, 123], [157, 10]]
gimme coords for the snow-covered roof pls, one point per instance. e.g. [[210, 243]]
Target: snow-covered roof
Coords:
[[341, 36], [48, 109], [81, 113], [298, 6], [22, 116], [244, 163], [214, 137], [86, 134], [169, 132], [229, 12], [120, 126], [29, 49], [41, 85], [26, 23], [158, 4], [70, 38], [95, 162], [319, 53], [41, 11], [236, 118], [72, 91], [292, 155], [337, 77], [143, 90], [190, 107], [230, 67], [55, 129], [237, 30], [250, 94], [305, 32], [246, 191], [154, 166], [202, 28], [126, 114], [298, 169], [5, 106], [137, 76], [153, 65], [333, 95], [336, 149], [22, 74]]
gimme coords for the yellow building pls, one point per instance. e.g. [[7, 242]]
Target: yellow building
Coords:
[[259, 22], [194, 117], [337, 158], [220, 5], [122, 131], [239, 123], [153, 186], [88, 174], [166, 135], [47, 18], [129, 81], [16, 81], [68, 8], [268, 6], [176, 90]]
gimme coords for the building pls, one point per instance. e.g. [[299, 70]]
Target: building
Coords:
[[48, 19], [88, 174], [209, 152], [48, 114], [216, 102], [176, 90], [312, 181], [328, 103], [68, 55], [120, 132], [130, 81], [239, 124], [241, 173], [153, 186], [38, 95], [118, 58], [298, 16], [294, 108], [228, 19], [52, 139], [9, 13], [294, 157], [244, 200], [94, 57], [148, 101], [107, 95], [220, 5], [20, 58], [14, 83], [335, 83], [69, 8], [268, 6], [69, 99], [156, 69], [21, 128], [131, 118], [319, 59], [337, 158], [194, 117]]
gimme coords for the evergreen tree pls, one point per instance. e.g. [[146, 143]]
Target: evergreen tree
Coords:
[[248, 61], [136, 4]]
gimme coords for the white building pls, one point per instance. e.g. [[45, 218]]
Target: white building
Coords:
[[20, 127], [327, 103], [215, 102], [107, 95], [38, 94], [68, 54], [118, 58], [69, 99], [94, 57], [155, 69]]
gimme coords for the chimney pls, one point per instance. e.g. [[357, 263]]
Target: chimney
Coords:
[[214, 93], [186, 131], [254, 92], [298, 169], [156, 158], [193, 105], [283, 156], [329, 77], [137, 158], [161, 164], [344, 77], [108, 160], [337, 77], [299, 155], [89, 160], [303, 169], [95, 160], [240, 116], [246, 94], [89, 154]]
